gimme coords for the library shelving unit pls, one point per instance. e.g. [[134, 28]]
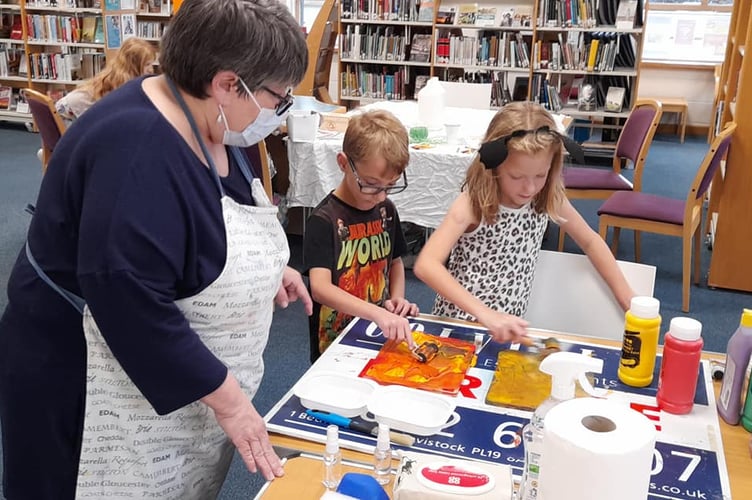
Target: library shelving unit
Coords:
[[53, 45], [732, 241], [152, 18], [541, 50], [382, 51]]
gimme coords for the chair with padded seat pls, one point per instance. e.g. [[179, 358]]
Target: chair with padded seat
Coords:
[[47, 121], [633, 145], [658, 214]]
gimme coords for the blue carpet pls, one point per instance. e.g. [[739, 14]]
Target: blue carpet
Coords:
[[670, 170]]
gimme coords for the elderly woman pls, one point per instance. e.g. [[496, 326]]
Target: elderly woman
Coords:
[[141, 304]]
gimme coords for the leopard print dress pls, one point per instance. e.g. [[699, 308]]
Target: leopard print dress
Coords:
[[496, 262]]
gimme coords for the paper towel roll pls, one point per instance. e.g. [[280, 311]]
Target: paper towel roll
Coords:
[[595, 449]]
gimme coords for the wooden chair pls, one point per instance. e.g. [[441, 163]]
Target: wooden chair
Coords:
[[659, 214], [47, 121], [633, 145], [320, 42]]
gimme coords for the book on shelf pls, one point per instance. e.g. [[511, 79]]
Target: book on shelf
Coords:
[[420, 48], [420, 82], [425, 11], [586, 98], [113, 32], [615, 99], [626, 14], [486, 16], [467, 13], [507, 17], [98, 31], [522, 16], [112, 4], [88, 29], [445, 16], [6, 94]]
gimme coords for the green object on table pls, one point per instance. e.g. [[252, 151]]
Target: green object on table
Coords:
[[418, 134]]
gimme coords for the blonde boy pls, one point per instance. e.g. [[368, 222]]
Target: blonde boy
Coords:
[[354, 243]]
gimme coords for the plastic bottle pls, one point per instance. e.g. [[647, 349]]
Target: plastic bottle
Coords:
[[738, 352], [382, 456], [431, 104], [332, 459], [565, 369], [682, 348], [642, 325]]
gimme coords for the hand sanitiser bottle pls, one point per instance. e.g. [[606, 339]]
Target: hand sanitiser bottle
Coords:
[[565, 368], [332, 459], [382, 456], [738, 352]]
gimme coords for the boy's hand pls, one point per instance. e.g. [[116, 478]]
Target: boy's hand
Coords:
[[504, 327], [395, 327], [401, 307]]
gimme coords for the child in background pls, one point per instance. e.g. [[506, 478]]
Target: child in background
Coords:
[[135, 57], [353, 241], [491, 236]]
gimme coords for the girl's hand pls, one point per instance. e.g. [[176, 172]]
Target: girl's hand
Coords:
[[401, 307], [394, 327], [504, 327]]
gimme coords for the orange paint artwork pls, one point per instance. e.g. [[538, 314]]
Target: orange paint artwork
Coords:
[[442, 372]]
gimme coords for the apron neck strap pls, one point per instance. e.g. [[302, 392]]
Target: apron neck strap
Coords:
[[197, 134]]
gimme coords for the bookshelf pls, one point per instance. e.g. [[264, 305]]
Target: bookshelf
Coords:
[[53, 45], [732, 242], [537, 50]]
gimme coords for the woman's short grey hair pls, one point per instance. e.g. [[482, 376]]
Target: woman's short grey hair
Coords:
[[259, 40]]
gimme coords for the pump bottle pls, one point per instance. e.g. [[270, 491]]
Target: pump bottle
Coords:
[[332, 459], [382, 456], [565, 368], [642, 325], [738, 352]]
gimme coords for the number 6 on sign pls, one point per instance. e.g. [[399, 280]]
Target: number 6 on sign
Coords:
[[507, 435]]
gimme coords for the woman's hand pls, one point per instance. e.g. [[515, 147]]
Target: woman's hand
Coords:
[[292, 289], [401, 307], [503, 327], [245, 428]]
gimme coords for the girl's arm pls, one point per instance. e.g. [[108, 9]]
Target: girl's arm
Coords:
[[598, 252], [430, 268]]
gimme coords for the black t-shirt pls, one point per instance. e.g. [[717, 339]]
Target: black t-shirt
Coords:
[[357, 246]]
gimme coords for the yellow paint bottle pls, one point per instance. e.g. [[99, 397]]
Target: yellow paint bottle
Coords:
[[642, 325]]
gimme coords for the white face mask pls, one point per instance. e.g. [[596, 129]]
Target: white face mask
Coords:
[[265, 123]]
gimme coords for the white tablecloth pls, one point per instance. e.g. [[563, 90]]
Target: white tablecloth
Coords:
[[434, 175]]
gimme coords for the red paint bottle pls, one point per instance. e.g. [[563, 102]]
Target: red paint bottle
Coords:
[[682, 348]]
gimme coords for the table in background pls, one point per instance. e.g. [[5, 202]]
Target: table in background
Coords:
[[434, 175], [303, 479]]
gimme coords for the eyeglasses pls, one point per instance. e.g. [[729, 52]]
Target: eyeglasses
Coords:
[[285, 101], [371, 189]]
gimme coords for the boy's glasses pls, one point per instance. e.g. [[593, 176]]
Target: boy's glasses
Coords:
[[366, 188], [285, 101]]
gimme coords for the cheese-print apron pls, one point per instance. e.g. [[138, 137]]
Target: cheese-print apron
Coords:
[[130, 451]]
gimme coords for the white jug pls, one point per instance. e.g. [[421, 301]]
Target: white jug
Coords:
[[431, 104]]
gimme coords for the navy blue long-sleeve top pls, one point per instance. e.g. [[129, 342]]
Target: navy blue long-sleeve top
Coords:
[[130, 219]]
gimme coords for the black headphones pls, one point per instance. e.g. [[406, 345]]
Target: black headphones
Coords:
[[493, 153]]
